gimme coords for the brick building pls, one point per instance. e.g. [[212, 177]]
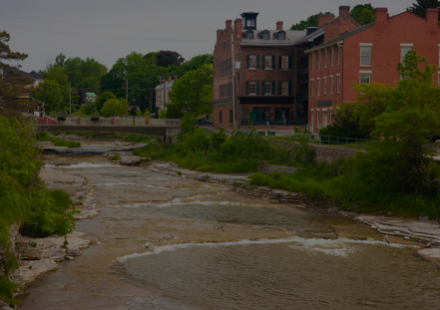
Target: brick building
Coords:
[[354, 54], [264, 63]]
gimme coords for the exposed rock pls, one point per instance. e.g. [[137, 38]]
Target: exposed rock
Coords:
[[73, 252], [431, 254], [126, 158], [31, 270]]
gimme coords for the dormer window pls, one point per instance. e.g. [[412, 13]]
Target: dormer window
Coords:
[[265, 35], [248, 34], [250, 20], [250, 23], [280, 35]]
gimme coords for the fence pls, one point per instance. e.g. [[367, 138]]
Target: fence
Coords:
[[123, 121], [332, 140]]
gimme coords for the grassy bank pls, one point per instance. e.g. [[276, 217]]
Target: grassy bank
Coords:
[[44, 136], [132, 137], [24, 197]]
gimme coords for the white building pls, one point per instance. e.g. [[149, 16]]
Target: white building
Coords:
[[162, 91]]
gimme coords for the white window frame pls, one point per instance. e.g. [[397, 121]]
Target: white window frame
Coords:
[[266, 57], [312, 119], [408, 47], [312, 84], [285, 61], [332, 85], [332, 60], [365, 61], [318, 92], [438, 82], [365, 73], [287, 87], [331, 114], [255, 62], [319, 60], [339, 54], [324, 117], [255, 87], [338, 83], [270, 88], [325, 58], [324, 92], [313, 61]]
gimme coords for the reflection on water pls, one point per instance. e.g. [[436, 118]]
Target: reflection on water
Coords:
[[216, 249]]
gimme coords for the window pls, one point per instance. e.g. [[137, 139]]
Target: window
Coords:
[[438, 78], [313, 61], [331, 114], [325, 58], [230, 116], [285, 62], [265, 35], [248, 35], [312, 119], [319, 60], [332, 57], [252, 88], [403, 51], [338, 84], [439, 56], [281, 35], [253, 62], [312, 83], [331, 85], [318, 91], [365, 78], [324, 118], [268, 88], [284, 88], [365, 56], [268, 62], [250, 22], [325, 87], [339, 55], [220, 117]]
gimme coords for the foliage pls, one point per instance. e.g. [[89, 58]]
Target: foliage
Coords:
[[49, 214], [195, 63], [101, 99], [50, 96], [89, 108], [311, 21], [115, 107], [43, 136], [419, 8], [168, 58], [187, 125], [193, 91], [147, 114], [8, 289], [12, 86], [163, 114], [363, 13]]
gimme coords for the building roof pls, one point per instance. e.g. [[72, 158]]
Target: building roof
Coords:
[[91, 95], [309, 38], [14, 71], [341, 37], [167, 84], [291, 37]]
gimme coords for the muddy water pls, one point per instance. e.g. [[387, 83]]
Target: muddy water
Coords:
[[167, 242]]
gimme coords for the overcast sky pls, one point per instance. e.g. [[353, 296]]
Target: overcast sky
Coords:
[[109, 29]]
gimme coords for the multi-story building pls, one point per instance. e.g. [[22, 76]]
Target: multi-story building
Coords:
[[353, 54], [162, 91], [256, 69]]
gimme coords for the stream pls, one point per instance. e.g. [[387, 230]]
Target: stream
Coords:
[[167, 242]]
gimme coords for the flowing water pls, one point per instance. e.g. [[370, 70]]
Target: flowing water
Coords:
[[167, 242]]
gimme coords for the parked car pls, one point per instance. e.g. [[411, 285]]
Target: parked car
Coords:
[[203, 122], [47, 120]]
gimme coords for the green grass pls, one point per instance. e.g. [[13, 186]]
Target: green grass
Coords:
[[115, 157], [43, 136]]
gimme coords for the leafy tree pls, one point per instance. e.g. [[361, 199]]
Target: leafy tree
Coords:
[[169, 58], [163, 114], [403, 118], [363, 13], [194, 91], [311, 21], [60, 60], [50, 96], [115, 107], [195, 63], [101, 99], [12, 86], [420, 7]]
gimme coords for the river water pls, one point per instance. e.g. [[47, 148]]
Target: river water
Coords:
[[167, 242]]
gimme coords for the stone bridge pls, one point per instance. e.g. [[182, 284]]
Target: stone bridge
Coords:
[[165, 132]]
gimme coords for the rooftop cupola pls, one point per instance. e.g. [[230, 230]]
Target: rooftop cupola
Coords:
[[250, 20]]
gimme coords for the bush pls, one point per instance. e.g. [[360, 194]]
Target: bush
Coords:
[[43, 136]]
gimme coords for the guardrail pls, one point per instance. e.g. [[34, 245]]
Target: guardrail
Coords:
[[123, 121]]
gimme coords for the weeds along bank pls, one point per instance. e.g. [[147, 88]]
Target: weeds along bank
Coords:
[[25, 202]]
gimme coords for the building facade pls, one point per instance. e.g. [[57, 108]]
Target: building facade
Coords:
[[256, 69], [352, 54], [162, 91]]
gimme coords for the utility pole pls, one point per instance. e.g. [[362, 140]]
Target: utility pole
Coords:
[[70, 98], [234, 116], [126, 90]]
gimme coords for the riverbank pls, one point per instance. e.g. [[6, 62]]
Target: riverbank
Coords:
[[415, 230]]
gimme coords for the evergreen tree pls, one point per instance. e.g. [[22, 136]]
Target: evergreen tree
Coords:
[[421, 6]]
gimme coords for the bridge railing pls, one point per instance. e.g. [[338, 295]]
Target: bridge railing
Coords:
[[122, 121]]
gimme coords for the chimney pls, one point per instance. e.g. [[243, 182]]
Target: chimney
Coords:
[[219, 34], [432, 16], [175, 77], [279, 26], [381, 15], [344, 11], [238, 26], [325, 19], [228, 23], [343, 26]]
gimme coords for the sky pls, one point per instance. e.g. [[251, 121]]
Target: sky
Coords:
[[110, 29]]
